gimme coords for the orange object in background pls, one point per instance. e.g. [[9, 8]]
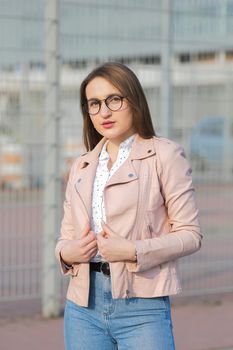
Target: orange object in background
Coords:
[[11, 166], [12, 158]]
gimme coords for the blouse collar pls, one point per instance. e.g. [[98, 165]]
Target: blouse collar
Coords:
[[124, 145]]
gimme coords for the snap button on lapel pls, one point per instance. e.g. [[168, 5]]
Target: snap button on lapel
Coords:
[[79, 180], [130, 175], [149, 151]]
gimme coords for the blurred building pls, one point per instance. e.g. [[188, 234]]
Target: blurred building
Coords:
[[130, 32], [94, 30]]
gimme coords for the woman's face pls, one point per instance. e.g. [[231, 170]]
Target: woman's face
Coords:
[[114, 125]]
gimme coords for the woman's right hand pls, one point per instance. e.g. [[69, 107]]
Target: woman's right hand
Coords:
[[80, 250]]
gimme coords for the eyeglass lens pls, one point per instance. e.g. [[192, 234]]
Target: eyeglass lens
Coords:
[[113, 102]]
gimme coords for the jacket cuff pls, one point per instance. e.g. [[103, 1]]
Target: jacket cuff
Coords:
[[66, 270], [136, 266]]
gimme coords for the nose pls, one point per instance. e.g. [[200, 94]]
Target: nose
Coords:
[[104, 110]]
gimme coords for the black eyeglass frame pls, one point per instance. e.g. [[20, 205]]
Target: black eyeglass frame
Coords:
[[85, 105]]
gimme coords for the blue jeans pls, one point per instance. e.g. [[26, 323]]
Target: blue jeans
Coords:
[[117, 324]]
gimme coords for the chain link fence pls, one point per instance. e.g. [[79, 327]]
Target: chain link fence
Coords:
[[187, 42]]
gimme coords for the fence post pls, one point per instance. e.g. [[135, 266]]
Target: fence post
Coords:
[[227, 165], [227, 151], [52, 183], [166, 56]]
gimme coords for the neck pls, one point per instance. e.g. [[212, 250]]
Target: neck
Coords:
[[113, 147], [114, 144]]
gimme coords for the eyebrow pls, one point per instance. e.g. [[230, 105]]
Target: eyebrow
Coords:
[[98, 99]]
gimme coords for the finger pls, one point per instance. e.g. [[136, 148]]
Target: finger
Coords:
[[107, 230], [100, 238], [87, 239], [88, 249], [103, 234], [93, 252], [91, 245], [92, 232], [91, 235], [85, 230], [101, 241]]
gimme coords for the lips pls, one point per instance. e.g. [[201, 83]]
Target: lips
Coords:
[[107, 124]]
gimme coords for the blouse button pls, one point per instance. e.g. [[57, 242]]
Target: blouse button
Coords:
[[130, 175]]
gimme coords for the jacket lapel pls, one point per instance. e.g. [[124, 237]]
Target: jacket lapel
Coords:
[[129, 171], [86, 175], [126, 173]]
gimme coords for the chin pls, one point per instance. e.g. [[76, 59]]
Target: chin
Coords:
[[110, 133]]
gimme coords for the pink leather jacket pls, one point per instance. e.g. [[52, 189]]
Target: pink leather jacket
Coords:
[[150, 200]]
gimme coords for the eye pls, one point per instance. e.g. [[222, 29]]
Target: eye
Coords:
[[93, 103], [114, 99]]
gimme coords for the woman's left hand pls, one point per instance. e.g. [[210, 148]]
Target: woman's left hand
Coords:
[[113, 247]]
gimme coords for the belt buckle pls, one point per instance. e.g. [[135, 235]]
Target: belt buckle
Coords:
[[104, 268]]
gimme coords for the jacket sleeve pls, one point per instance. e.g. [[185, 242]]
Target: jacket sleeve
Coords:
[[184, 237], [67, 228]]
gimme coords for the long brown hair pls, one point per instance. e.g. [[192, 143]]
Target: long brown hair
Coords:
[[128, 84]]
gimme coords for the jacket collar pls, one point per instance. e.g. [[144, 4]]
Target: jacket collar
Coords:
[[141, 148]]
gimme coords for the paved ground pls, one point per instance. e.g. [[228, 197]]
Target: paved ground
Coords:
[[198, 325]]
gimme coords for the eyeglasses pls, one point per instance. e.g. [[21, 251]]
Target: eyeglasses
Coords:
[[113, 102]]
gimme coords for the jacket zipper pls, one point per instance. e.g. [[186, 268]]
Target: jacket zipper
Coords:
[[129, 274], [140, 205], [110, 264], [88, 218]]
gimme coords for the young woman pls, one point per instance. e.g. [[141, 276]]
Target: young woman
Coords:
[[129, 214]]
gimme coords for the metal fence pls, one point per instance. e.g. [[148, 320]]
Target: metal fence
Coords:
[[182, 53]]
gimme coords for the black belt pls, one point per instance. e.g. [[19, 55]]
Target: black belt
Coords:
[[101, 266]]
